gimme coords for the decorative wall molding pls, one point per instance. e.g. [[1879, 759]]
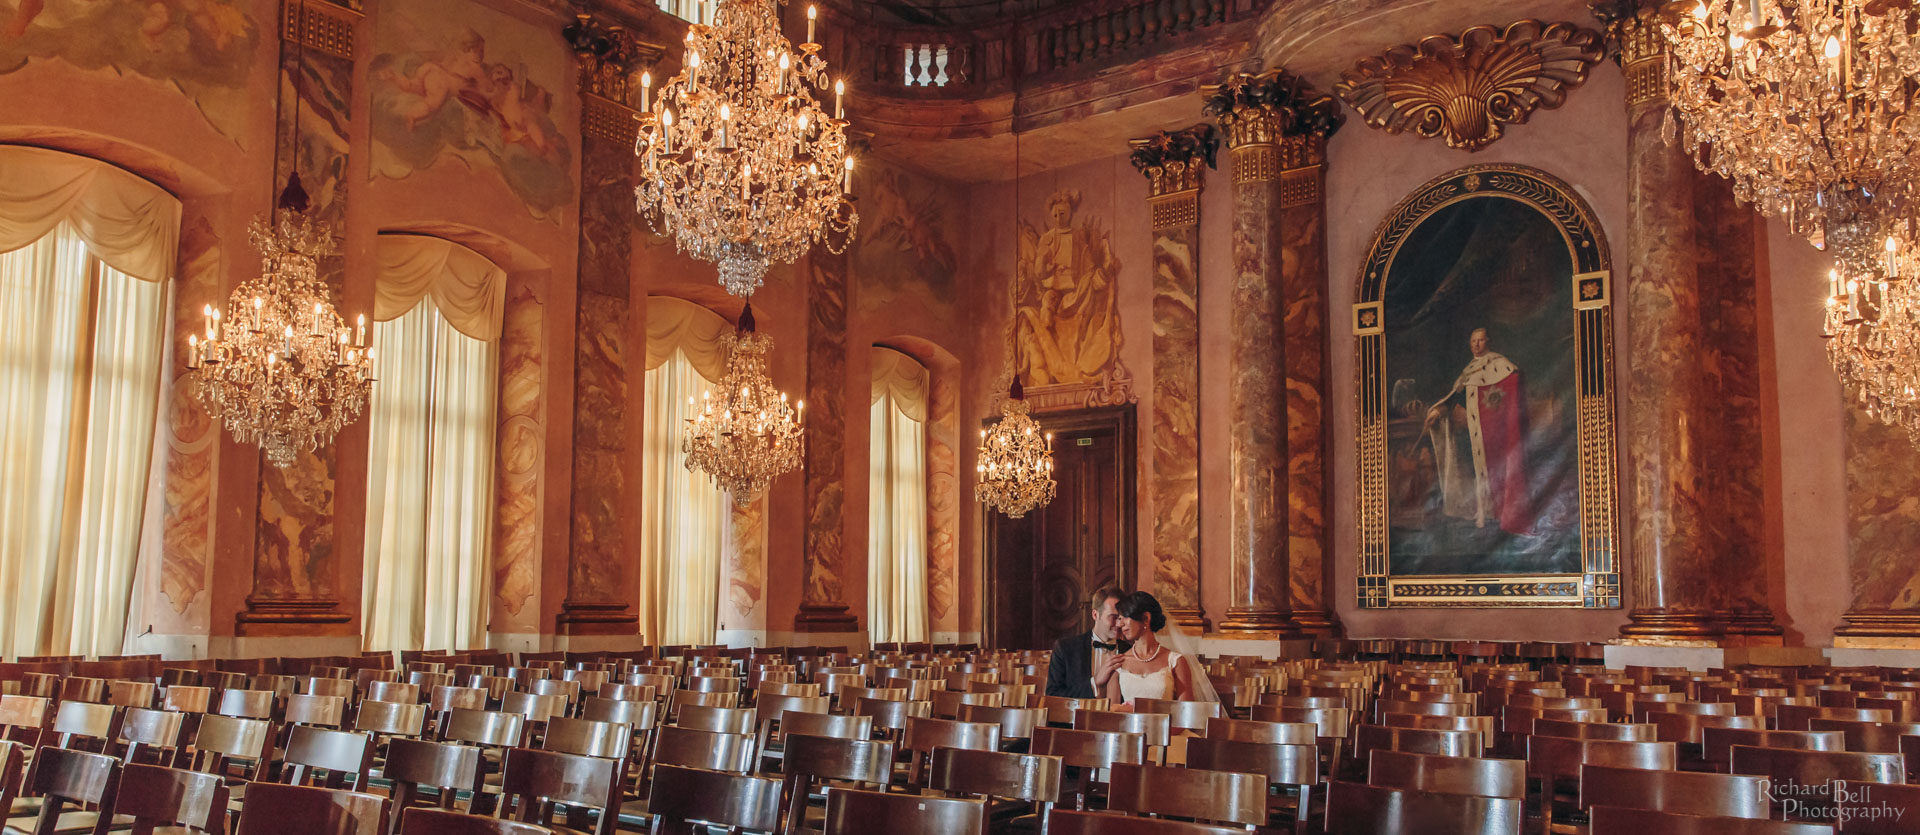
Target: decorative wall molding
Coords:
[[1466, 89]]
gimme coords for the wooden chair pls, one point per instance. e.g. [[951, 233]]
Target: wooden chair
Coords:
[[24, 718], [1447, 775], [1060, 709], [683, 796], [1786, 767], [1202, 794], [1798, 717], [810, 758], [68, 779], [157, 796], [1155, 729], [924, 735], [443, 822], [1873, 809], [1064, 822], [1293, 769], [273, 809], [1087, 753], [890, 718], [122, 693], [1482, 725], [994, 775], [346, 756], [1016, 723], [97, 723], [704, 749], [1360, 809], [1273, 733], [447, 768], [1611, 731], [1367, 738], [1613, 820], [532, 781], [223, 743], [1681, 792], [720, 720], [151, 735], [1184, 715], [854, 812], [1556, 762], [947, 703], [1717, 743], [1868, 737]]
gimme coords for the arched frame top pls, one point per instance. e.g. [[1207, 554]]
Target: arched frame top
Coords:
[[1597, 584]]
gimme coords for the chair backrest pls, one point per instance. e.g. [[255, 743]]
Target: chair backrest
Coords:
[[1333, 722], [1678, 727], [342, 687], [1798, 717], [122, 693], [1015, 722], [682, 795], [1360, 809], [88, 719], [924, 735], [393, 691], [347, 757], [626, 692], [1028, 777], [642, 716], [391, 718], [323, 710], [1870, 737], [142, 728], [1717, 743], [1560, 758], [273, 809], [1060, 709], [587, 737], [492, 728], [720, 720], [185, 698], [1447, 775], [1089, 749], [222, 739], [1247, 730], [1614, 820], [1155, 728], [1281, 764], [854, 812], [788, 688], [1416, 741], [1202, 794], [1818, 767], [892, 716], [532, 781], [1482, 725], [446, 766], [66, 777], [828, 725], [704, 749], [1684, 792], [1064, 822], [444, 822], [1614, 731], [158, 796], [1185, 715], [536, 707]]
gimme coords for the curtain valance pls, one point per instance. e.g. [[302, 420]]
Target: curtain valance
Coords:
[[469, 290], [128, 223], [904, 378], [677, 323]]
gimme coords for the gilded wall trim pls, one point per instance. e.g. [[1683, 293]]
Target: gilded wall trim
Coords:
[[319, 25], [605, 119], [1465, 89]]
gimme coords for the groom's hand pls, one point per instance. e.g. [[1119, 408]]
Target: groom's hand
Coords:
[[1102, 675]]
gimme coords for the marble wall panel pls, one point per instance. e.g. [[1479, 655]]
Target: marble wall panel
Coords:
[[186, 516], [1303, 259], [1176, 413], [823, 592], [516, 559], [745, 567], [597, 570], [1883, 513], [943, 501]]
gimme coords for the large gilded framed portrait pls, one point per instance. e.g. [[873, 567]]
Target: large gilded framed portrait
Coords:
[[1483, 337]]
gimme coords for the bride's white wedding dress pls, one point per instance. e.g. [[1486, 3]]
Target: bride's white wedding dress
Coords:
[[1158, 684]]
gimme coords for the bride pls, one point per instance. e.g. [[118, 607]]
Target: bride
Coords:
[[1150, 669]]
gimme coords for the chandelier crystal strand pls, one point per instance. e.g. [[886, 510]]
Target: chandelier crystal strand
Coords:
[[741, 164], [748, 434], [1015, 471], [1812, 109], [280, 368]]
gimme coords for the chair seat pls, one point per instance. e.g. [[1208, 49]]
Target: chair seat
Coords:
[[69, 822]]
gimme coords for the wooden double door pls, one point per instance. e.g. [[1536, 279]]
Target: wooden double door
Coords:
[[1041, 567]]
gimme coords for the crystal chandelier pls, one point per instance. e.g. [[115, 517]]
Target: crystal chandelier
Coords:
[[1015, 472], [282, 371], [1812, 109], [749, 434], [742, 165]]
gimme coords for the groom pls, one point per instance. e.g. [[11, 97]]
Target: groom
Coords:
[[1070, 673]]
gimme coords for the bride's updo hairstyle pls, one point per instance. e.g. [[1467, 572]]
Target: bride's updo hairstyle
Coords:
[[1141, 606]]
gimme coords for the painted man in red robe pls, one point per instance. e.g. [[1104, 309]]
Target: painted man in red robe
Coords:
[[1488, 405]]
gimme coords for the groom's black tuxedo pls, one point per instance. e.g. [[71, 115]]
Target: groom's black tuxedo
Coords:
[[1070, 671]]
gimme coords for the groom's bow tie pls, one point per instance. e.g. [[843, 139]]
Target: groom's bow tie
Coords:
[[1106, 646]]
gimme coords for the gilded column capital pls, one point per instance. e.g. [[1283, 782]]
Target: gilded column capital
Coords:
[[1260, 112], [1634, 38], [610, 60], [1173, 161]]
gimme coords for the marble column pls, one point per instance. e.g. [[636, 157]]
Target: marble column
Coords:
[[603, 543], [1257, 112], [1697, 565], [1303, 283], [1883, 534], [1173, 164], [823, 593], [298, 587]]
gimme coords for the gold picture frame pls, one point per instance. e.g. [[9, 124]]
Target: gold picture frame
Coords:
[[1597, 583]]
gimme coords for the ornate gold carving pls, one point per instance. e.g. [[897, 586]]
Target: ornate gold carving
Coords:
[[601, 118], [1467, 89], [611, 59], [1302, 151], [1598, 584], [1260, 109], [319, 25], [1174, 160], [1172, 211], [1256, 163], [1300, 186]]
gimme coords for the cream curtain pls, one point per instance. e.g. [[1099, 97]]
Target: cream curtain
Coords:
[[467, 289], [897, 500], [126, 222], [430, 454], [684, 517], [80, 367]]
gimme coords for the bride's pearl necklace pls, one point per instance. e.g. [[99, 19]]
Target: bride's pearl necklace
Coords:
[[1146, 658]]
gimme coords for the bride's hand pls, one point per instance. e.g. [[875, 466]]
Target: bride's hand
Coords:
[[1107, 669]]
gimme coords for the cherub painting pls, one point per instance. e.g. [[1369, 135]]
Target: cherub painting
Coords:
[[205, 48], [481, 92], [1066, 322], [903, 239]]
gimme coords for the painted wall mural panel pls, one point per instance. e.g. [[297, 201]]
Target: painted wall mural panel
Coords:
[[203, 48], [943, 503], [904, 246], [186, 535], [1066, 322], [516, 561], [481, 91], [1486, 418]]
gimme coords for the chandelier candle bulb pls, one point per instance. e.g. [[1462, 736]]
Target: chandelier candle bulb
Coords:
[[812, 12], [646, 91], [839, 92]]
